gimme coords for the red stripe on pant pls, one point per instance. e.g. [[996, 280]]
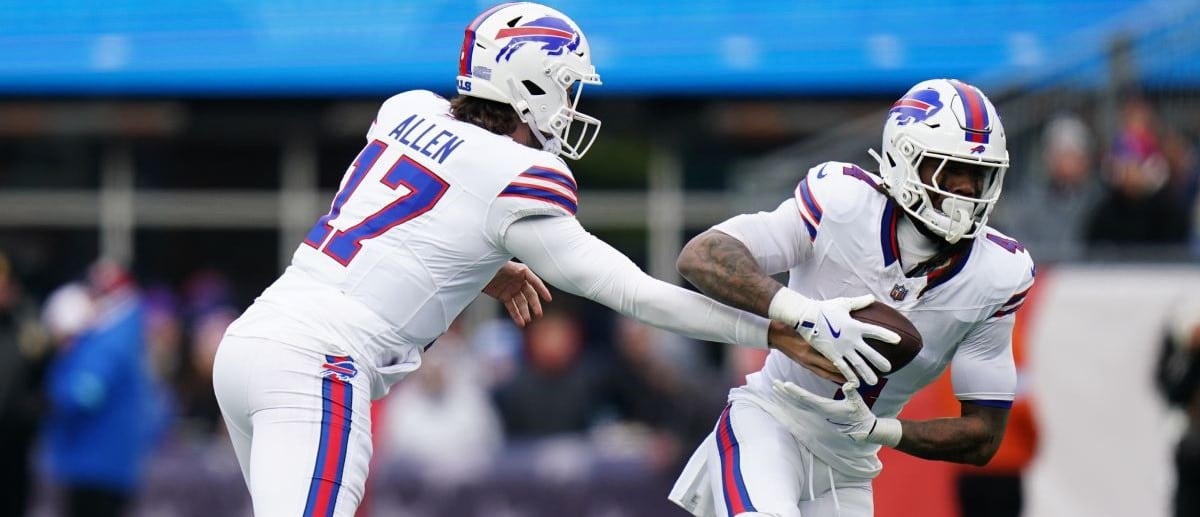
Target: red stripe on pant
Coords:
[[736, 499], [331, 456]]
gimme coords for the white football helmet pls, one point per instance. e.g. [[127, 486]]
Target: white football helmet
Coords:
[[535, 59], [945, 120]]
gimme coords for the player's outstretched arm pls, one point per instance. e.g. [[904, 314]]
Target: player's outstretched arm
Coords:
[[560, 251], [570, 258]]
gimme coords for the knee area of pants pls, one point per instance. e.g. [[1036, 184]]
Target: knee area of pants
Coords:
[[773, 514]]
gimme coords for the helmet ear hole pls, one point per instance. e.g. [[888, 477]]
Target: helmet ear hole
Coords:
[[533, 88]]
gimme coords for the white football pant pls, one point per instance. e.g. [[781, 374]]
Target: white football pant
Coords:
[[755, 467], [300, 423]]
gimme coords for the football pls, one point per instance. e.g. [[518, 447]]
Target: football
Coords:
[[910, 343]]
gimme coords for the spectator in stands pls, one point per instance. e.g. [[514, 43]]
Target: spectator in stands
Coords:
[[442, 421], [1179, 379], [496, 346], [23, 356], [554, 391], [1057, 200], [1184, 182], [104, 413], [1139, 208], [1180, 153], [208, 299], [164, 332]]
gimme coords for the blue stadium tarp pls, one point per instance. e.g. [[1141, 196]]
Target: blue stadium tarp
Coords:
[[649, 47]]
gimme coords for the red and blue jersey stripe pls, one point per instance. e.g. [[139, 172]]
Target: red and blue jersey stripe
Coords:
[[978, 125], [336, 411], [547, 185], [810, 209], [1013, 304], [737, 498], [552, 175]]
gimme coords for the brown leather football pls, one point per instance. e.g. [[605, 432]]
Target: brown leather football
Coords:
[[910, 338]]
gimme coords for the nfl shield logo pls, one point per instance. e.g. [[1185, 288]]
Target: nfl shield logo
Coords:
[[899, 292]]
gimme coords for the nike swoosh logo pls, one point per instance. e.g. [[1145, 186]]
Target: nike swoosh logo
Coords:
[[833, 332]]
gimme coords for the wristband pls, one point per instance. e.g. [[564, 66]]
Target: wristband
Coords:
[[887, 431], [794, 309]]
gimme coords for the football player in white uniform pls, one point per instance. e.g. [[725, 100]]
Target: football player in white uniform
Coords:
[[915, 236], [444, 194]]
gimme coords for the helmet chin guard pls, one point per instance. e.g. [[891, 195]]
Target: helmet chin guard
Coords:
[[943, 121]]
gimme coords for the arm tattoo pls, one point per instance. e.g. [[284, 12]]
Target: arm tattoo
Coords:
[[972, 438], [723, 268]]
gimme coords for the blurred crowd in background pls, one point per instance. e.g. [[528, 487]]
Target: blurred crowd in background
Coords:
[[106, 375], [1133, 197]]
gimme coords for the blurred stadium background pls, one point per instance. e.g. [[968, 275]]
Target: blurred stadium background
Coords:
[[192, 144]]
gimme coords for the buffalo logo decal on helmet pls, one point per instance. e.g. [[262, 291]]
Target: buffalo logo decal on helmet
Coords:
[[916, 107], [554, 34]]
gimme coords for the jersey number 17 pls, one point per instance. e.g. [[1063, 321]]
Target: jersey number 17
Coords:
[[425, 189]]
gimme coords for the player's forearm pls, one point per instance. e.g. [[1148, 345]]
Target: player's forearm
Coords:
[[682, 311], [569, 258], [969, 440], [723, 268]]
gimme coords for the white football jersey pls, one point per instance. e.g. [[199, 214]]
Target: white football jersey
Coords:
[[847, 246], [412, 237]]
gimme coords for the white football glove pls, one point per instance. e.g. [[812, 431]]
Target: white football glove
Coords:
[[850, 415], [828, 328]]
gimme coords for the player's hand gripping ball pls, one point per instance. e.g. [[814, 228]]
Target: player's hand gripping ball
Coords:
[[899, 354]]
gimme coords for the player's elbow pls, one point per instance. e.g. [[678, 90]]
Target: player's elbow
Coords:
[[985, 451], [980, 458], [699, 254], [691, 263]]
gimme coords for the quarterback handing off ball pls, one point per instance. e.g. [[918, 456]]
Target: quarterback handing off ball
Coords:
[[899, 354]]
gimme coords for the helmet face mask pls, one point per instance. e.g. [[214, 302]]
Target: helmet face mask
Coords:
[[536, 60], [944, 124]]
